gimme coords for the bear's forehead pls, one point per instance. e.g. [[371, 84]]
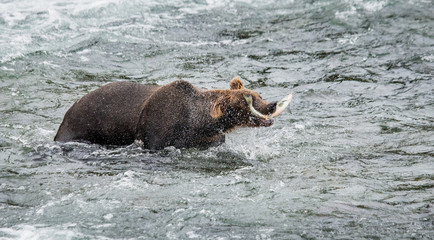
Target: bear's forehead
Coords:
[[248, 92]]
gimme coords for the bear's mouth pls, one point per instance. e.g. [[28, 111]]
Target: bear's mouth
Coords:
[[260, 122], [266, 122]]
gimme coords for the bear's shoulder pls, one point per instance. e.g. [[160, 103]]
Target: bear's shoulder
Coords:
[[182, 86]]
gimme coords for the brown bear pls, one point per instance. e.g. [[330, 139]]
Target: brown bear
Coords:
[[177, 114]]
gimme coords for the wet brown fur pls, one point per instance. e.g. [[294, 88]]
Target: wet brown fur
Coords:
[[177, 114]]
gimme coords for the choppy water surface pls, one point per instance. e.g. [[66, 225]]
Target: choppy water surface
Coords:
[[354, 160]]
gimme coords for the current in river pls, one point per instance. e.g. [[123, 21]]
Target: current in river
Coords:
[[353, 160]]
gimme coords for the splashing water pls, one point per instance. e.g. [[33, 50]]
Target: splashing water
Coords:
[[354, 160]]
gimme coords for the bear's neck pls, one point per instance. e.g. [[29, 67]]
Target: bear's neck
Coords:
[[224, 123]]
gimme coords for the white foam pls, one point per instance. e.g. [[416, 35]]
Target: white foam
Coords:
[[429, 58], [84, 59], [373, 6], [344, 15], [82, 6], [50, 64], [11, 18], [351, 40], [85, 51], [129, 180], [299, 126], [4, 68], [9, 56], [108, 216], [369, 6], [192, 234], [36, 232], [45, 132], [41, 210], [210, 4]]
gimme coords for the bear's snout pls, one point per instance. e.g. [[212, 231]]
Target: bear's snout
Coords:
[[259, 122]]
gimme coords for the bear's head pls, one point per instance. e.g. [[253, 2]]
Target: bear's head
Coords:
[[242, 107]]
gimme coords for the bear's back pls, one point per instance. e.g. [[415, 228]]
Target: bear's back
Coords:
[[107, 115]]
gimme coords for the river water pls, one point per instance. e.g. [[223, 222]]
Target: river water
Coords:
[[354, 160]]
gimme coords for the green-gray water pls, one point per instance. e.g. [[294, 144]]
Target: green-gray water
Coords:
[[354, 160]]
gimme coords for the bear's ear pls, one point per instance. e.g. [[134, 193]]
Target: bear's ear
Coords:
[[236, 84], [220, 106]]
